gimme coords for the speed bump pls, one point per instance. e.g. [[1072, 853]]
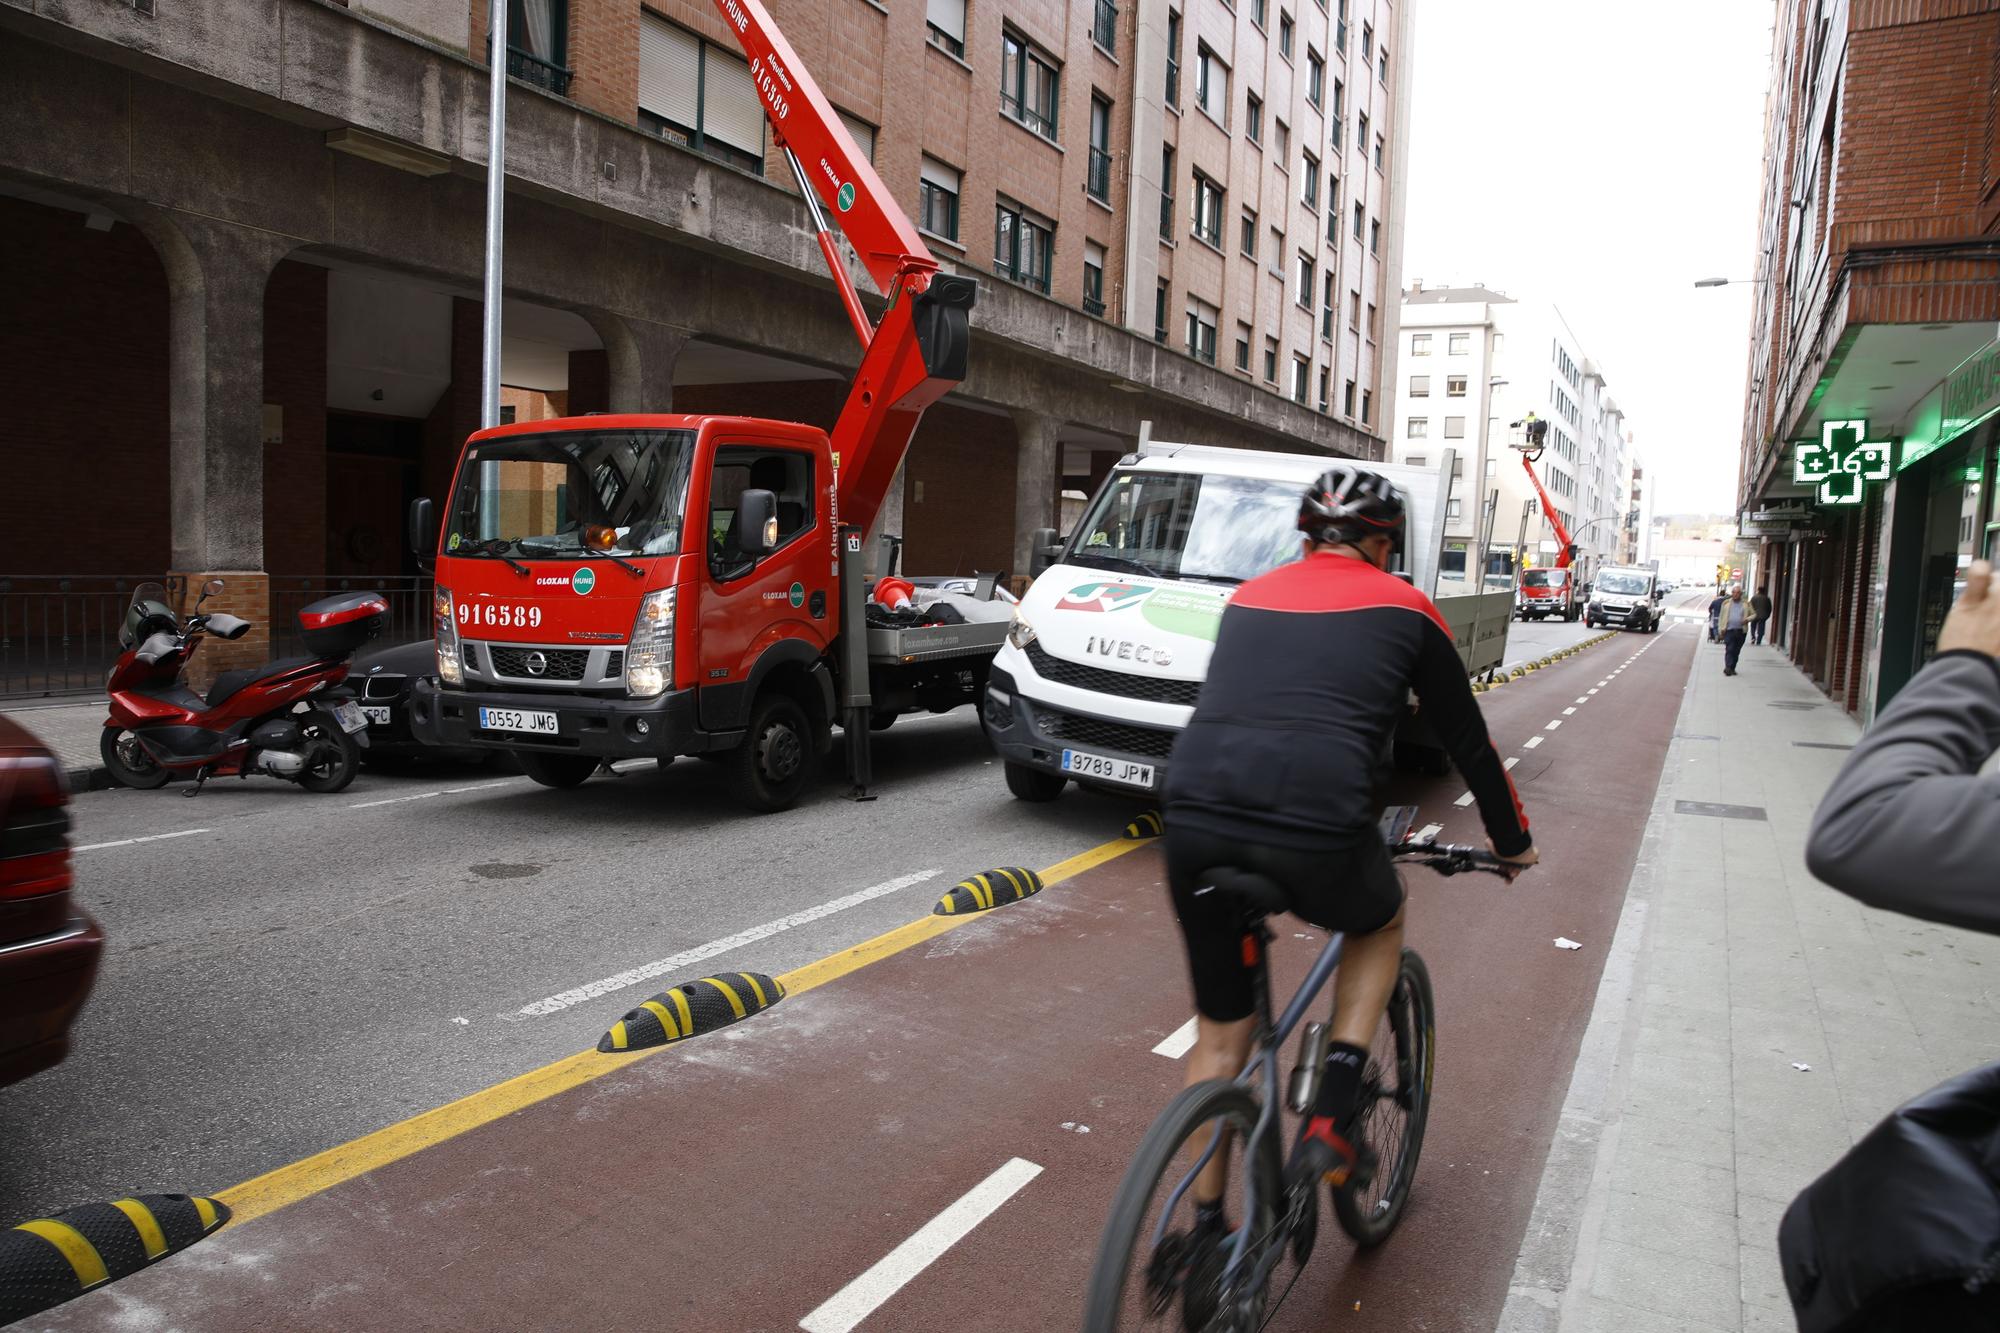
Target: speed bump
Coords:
[[1148, 825], [692, 1008], [995, 888], [53, 1259]]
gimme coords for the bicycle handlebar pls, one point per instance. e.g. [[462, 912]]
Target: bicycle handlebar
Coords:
[[1454, 859]]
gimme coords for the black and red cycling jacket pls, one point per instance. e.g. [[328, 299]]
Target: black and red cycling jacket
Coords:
[[1311, 669]]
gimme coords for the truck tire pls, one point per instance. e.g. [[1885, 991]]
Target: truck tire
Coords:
[[1031, 784], [769, 770], [561, 771]]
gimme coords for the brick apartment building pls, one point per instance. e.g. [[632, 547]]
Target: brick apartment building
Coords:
[[245, 245], [1878, 302]]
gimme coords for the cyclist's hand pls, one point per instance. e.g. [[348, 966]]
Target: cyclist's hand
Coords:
[[1523, 860]]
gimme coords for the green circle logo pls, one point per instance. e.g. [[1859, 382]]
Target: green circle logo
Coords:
[[846, 197], [583, 581], [798, 594]]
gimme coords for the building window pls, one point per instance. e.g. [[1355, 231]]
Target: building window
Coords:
[[1160, 312], [1420, 429], [1105, 30], [1333, 211], [1022, 245], [1340, 25], [1451, 510], [947, 25], [1285, 34], [1211, 83], [1173, 57], [1315, 77], [1207, 216], [1249, 241], [1378, 152], [1301, 378], [1257, 12], [1361, 131], [1167, 193], [937, 199], [1454, 386], [1243, 348], [1374, 324], [1420, 344], [1420, 386], [1201, 317], [699, 95], [1460, 344], [537, 52], [1271, 360], [860, 131], [1253, 119], [1454, 560], [1367, 41], [1098, 181], [1093, 279], [1030, 84], [1339, 105], [1324, 377], [1375, 237], [1281, 141], [1326, 306], [1367, 405], [1417, 460], [1354, 311], [1309, 183], [1347, 400], [1499, 342], [1360, 216], [1277, 251], [1307, 271], [1454, 428], [1385, 64]]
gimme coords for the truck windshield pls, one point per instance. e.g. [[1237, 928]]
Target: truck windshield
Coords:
[[1545, 578], [1624, 584], [1191, 526], [572, 494]]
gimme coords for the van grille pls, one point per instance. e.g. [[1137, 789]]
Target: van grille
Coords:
[[1122, 683], [1089, 731]]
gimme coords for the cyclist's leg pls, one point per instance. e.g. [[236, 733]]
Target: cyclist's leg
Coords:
[[1225, 1005]]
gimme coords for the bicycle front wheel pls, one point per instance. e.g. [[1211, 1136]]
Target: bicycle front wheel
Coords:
[[1394, 1106], [1153, 1270]]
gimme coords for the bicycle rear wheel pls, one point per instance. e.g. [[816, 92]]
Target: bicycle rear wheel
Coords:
[[1150, 1273], [1394, 1106]]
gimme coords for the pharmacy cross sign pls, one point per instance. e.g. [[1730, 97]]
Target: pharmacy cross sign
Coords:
[[1843, 459]]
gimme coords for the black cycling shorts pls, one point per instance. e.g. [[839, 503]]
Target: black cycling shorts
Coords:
[[1354, 889]]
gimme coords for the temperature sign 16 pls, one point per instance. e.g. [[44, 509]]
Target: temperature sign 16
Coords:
[[499, 613]]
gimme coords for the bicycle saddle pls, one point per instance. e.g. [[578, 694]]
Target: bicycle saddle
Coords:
[[1256, 893]]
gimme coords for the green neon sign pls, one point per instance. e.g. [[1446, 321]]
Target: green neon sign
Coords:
[[1842, 462]]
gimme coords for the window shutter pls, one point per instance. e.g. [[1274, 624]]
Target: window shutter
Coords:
[[948, 16], [863, 132], [940, 175], [669, 70], [732, 113]]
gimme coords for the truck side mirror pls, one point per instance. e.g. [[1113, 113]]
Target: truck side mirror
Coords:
[[423, 531], [756, 523], [1044, 549]]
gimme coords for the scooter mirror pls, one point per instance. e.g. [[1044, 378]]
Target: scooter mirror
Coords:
[[208, 590]]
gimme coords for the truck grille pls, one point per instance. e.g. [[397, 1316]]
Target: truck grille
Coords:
[[563, 663], [1089, 731], [1122, 683]]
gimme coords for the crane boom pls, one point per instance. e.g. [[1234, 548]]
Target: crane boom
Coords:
[[918, 351], [1537, 434]]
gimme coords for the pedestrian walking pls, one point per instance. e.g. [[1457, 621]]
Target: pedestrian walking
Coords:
[[1715, 610], [1732, 622], [1760, 613], [1903, 1231]]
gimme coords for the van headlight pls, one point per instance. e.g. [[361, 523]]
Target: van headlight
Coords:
[[649, 660], [450, 669], [1021, 633]]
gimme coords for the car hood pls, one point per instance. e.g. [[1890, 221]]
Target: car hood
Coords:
[[1149, 627]]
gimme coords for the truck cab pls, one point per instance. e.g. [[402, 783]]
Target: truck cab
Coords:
[[1546, 591], [1626, 597]]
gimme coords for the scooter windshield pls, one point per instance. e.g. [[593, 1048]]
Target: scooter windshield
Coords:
[[572, 494]]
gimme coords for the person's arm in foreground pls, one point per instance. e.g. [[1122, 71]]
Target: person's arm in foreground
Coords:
[[1909, 825], [1453, 712]]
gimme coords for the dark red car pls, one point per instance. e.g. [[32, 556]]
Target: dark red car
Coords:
[[48, 946]]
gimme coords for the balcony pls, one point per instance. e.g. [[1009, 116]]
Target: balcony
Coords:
[[1094, 306], [1099, 180], [1166, 217], [1104, 31], [546, 75]]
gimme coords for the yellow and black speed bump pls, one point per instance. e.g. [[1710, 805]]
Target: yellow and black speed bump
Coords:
[[1148, 825], [995, 888], [692, 1008], [51, 1259]]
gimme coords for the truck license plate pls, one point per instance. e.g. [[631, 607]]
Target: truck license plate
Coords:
[[377, 716], [514, 719], [1105, 769]]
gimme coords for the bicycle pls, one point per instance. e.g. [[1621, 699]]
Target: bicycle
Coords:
[[1223, 1288]]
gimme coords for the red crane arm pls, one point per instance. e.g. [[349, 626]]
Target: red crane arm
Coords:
[[1566, 555]]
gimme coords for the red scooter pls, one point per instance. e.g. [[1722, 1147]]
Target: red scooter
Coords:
[[290, 718]]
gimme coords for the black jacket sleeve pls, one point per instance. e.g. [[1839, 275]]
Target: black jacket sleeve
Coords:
[[1452, 710], [1909, 824]]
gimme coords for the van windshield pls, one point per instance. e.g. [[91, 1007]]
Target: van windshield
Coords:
[[572, 494], [1623, 583], [1189, 525]]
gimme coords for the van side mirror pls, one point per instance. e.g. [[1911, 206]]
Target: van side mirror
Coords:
[[423, 531], [756, 522], [1044, 549]]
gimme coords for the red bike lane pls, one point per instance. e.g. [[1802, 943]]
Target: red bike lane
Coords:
[[933, 1141]]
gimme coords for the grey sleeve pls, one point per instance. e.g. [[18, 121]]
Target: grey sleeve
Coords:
[[1909, 824]]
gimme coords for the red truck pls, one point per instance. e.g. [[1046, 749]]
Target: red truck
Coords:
[[663, 585], [1546, 590]]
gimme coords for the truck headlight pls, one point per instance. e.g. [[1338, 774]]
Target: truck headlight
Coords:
[[1020, 633], [649, 660], [450, 670]]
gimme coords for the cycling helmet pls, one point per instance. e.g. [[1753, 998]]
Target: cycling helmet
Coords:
[[1348, 503]]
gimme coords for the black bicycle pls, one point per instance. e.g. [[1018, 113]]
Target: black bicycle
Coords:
[[1153, 1270]]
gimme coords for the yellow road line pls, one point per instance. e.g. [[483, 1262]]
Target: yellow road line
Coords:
[[323, 1170]]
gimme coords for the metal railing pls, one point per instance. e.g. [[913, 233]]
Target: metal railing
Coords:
[[1105, 31], [1099, 180], [1093, 305], [544, 74], [1166, 216], [408, 595], [59, 632]]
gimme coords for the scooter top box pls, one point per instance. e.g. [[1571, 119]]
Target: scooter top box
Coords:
[[337, 626]]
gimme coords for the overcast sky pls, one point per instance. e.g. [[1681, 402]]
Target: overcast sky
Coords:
[[1603, 155]]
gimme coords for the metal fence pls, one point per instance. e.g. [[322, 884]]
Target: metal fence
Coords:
[[59, 633], [409, 598]]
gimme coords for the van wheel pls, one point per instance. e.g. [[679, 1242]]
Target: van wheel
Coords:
[[770, 769], [560, 771], [1031, 784]]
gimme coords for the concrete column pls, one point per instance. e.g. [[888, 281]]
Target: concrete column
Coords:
[[641, 355], [1035, 467]]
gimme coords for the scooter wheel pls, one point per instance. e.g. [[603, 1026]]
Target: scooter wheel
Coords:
[[332, 759], [127, 761]]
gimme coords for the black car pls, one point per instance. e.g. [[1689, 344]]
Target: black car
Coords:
[[384, 678]]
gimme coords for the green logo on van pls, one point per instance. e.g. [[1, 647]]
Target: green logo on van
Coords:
[[583, 581]]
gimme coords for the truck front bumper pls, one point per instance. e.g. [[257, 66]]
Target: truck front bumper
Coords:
[[1036, 734], [609, 728]]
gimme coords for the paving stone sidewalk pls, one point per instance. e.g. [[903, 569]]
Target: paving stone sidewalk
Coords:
[[1689, 1125], [70, 728]]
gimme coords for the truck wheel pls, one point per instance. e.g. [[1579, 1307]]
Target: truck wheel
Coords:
[[560, 771], [769, 770], [1031, 784], [881, 721]]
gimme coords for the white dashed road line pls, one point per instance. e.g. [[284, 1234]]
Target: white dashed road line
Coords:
[[1178, 1042], [1464, 800], [862, 1297], [1569, 712], [1427, 832], [127, 842], [1532, 742], [1553, 724], [395, 800]]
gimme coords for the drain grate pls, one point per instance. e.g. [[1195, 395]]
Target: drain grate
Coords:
[[1821, 745], [1796, 705], [1718, 811]]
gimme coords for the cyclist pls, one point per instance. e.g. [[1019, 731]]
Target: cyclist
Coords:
[[1275, 774]]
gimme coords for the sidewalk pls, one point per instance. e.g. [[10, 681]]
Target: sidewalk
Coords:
[[1689, 1127], [69, 727]]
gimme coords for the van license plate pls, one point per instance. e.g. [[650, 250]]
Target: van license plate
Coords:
[[514, 719], [1104, 769]]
